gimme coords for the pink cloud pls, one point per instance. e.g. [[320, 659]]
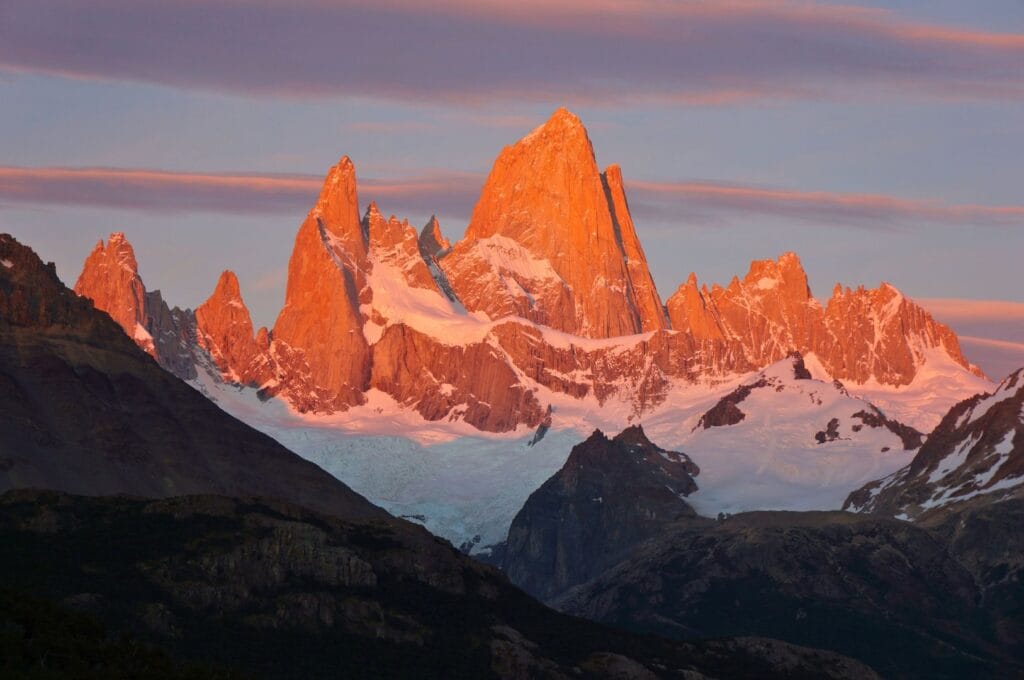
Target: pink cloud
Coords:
[[961, 310], [603, 52], [998, 344], [821, 207], [454, 194], [170, 191], [991, 331]]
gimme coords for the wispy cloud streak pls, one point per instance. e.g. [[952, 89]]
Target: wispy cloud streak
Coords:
[[959, 310], [458, 51], [454, 194], [166, 191], [820, 207]]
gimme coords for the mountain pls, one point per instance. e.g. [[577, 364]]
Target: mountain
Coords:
[[318, 339], [551, 240], [885, 592], [976, 454], [224, 330], [84, 410], [610, 537], [787, 388], [110, 278], [271, 590], [610, 495], [857, 336], [548, 296], [284, 572]]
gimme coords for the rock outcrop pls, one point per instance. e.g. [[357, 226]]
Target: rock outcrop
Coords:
[[224, 330], [110, 278], [859, 335], [318, 335], [272, 590], [551, 240], [610, 495]]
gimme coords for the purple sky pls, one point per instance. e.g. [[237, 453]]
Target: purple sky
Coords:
[[881, 141]]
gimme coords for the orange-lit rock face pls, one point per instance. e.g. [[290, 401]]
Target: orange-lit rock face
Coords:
[[369, 305], [881, 334], [549, 241], [224, 330], [771, 310], [645, 295], [690, 311], [862, 334], [110, 278], [320, 327], [395, 244]]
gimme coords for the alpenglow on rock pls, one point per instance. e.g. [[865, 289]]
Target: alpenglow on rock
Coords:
[[547, 297], [551, 240], [110, 278]]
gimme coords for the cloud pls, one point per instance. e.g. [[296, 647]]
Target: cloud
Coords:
[[998, 358], [957, 310], [601, 52], [702, 200], [454, 194], [1017, 347], [991, 331], [166, 191]]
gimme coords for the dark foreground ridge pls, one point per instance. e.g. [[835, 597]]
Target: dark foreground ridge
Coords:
[[84, 410], [271, 590], [607, 539], [272, 569]]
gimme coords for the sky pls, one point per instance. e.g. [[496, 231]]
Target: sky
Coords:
[[881, 141]]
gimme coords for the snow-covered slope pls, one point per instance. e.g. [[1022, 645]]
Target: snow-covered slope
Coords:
[[419, 372], [977, 450], [791, 443], [939, 383], [466, 486]]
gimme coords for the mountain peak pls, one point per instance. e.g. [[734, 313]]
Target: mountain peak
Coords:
[[562, 119], [563, 134], [432, 242], [110, 278], [578, 265], [227, 286], [784, 278], [338, 204], [120, 250], [224, 330]]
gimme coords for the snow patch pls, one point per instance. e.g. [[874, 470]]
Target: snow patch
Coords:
[[939, 384], [1001, 453], [953, 461], [141, 335]]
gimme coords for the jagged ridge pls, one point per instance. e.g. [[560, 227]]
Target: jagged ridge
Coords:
[[551, 247]]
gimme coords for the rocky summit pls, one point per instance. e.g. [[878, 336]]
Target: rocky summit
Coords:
[[548, 296], [610, 495]]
